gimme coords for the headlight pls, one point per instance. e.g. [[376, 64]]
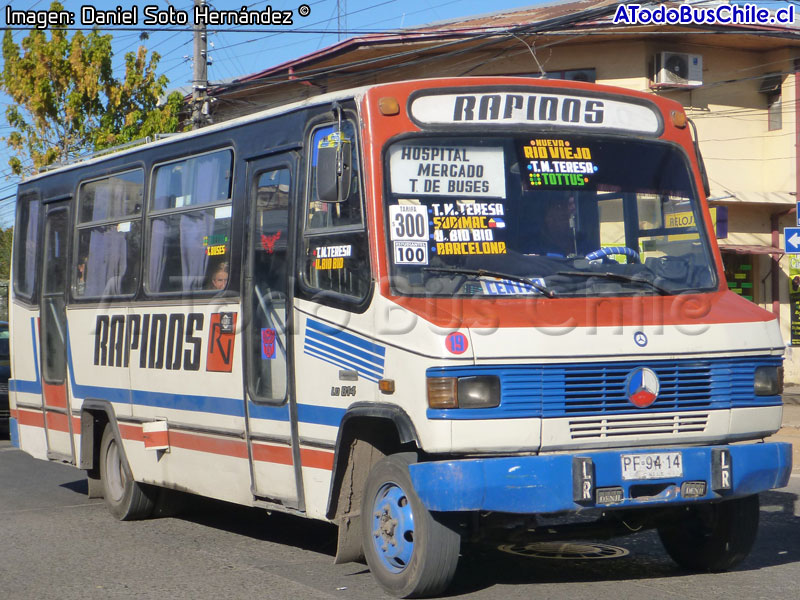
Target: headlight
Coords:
[[768, 381], [481, 391]]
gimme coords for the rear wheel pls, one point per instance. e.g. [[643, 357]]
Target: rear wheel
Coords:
[[126, 499], [409, 551], [712, 537]]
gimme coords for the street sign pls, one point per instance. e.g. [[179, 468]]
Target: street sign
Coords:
[[797, 213], [791, 240]]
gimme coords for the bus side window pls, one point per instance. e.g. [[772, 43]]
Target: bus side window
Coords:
[[335, 253], [26, 240], [108, 236], [190, 225]]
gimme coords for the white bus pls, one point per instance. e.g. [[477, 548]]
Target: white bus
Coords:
[[423, 311]]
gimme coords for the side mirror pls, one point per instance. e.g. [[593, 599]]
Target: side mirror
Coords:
[[333, 170]]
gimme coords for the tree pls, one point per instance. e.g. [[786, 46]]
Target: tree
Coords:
[[6, 238], [68, 101]]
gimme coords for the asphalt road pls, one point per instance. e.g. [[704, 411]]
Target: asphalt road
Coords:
[[55, 543]]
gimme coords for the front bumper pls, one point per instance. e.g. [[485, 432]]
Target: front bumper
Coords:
[[578, 481]]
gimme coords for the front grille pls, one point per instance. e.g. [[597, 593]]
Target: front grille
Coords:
[[685, 385], [573, 390], [648, 424], [601, 389]]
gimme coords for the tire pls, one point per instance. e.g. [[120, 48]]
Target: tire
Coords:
[[411, 553], [126, 499], [712, 537]]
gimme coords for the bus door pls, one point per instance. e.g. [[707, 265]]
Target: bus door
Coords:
[[267, 299], [53, 332]]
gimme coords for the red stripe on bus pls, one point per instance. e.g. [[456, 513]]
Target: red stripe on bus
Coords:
[[30, 418], [189, 441], [317, 459], [57, 422], [55, 396], [156, 439], [273, 454], [131, 432]]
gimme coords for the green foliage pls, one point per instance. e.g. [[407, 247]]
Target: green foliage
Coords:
[[67, 100], [6, 237]]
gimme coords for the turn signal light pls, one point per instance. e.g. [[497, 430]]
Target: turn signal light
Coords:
[[678, 118], [388, 106], [442, 392]]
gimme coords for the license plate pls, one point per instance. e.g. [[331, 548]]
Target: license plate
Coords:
[[654, 465]]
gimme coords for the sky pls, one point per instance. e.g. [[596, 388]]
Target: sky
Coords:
[[237, 53]]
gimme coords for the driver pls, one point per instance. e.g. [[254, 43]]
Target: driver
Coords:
[[557, 227]]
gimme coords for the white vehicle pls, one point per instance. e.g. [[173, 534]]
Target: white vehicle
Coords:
[[422, 311]]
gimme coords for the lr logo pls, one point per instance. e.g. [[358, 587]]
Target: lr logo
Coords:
[[221, 342], [721, 469], [583, 481]]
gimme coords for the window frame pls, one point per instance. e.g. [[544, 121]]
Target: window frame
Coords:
[[682, 152], [78, 227], [304, 288], [775, 111], [150, 214], [19, 251], [291, 166]]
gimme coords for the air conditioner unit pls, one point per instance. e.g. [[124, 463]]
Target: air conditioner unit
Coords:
[[677, 69]]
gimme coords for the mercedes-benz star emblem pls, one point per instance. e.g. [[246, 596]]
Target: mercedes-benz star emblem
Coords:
[[641, 387]]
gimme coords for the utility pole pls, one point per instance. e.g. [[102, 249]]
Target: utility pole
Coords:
[[341, 18], [200, 75]]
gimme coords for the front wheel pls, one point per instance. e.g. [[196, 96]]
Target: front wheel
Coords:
[[125, 498], [712, 537], [409, 551]]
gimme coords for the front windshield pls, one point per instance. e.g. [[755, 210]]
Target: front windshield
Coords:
[[560, 215]]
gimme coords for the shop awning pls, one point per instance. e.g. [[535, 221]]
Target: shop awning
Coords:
[[774, 199], [750, 249]]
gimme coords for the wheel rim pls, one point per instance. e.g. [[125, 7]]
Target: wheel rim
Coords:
[[393, 527], [115, 478]]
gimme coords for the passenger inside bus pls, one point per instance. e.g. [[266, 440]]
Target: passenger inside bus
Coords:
[[219, 277]]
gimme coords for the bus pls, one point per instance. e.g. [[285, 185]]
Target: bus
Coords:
[[429, 312]]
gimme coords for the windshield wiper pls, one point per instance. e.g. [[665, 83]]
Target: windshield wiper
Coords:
[[484, 273], [619, 277]]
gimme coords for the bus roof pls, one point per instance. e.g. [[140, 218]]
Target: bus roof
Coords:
[[276, 110], [356, 92]]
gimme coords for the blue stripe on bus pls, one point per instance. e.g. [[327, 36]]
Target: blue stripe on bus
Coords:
[[312, 347], [343, 349], [218, 406], [345, 336], [307, 413], [29, 387]]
